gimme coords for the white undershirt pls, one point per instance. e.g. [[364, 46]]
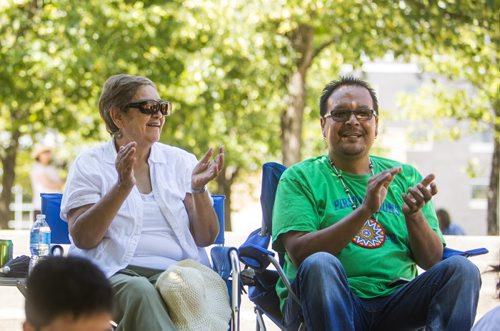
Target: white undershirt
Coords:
[[158, 246]]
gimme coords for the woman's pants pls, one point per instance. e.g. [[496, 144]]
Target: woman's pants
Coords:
[[138, 304]]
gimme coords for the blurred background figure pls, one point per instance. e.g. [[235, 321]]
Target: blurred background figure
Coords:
[[445, 224], [44, 176]]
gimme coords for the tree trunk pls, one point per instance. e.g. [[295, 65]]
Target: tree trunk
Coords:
[[9, 174], [224, 182], [292, 118], [493, 198]]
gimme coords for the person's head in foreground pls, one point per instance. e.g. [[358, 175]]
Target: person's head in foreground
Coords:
[[67, 294]]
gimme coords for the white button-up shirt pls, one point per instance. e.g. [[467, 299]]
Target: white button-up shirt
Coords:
[[93, 174]]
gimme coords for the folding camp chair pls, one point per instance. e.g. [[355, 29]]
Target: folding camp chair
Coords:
[[256, 257], [254, 254]]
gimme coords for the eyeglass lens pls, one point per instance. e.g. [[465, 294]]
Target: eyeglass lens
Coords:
[[343, 115]]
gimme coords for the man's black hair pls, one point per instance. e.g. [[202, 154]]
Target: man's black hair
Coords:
[[59, 286], [345, 81]]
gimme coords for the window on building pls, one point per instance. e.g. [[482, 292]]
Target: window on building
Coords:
[[478, 193]]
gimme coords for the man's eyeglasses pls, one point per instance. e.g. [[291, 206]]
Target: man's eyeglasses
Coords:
[[343, 115], [151, 107]]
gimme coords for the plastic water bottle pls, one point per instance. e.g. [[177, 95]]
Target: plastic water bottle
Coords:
[[39, 240]]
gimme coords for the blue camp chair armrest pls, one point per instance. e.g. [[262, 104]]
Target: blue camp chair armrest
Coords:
[[255, 257], [449, 252], [253, 252]]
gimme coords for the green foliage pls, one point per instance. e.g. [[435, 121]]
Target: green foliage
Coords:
[[446, 102], [230, 91], [460, 41], [226, 65], [57, 54], [219, 76]]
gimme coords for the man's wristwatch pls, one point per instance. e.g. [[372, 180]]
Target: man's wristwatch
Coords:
[[199, 190]]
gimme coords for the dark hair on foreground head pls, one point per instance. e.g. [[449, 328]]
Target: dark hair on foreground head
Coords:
[[118, 91], [60, 286], [345, 81]]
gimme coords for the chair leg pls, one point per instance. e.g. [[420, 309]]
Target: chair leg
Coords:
[[235, 295], [260, 325], [21, 286]]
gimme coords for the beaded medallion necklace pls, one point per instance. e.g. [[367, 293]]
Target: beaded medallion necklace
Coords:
[[338, 173]]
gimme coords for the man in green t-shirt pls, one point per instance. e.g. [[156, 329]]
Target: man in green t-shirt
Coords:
[[354, 227]]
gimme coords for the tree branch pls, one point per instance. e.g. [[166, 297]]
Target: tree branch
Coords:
[[321, 47]]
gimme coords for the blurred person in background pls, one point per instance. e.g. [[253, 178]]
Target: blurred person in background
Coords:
[[445, 224], [44, 176]]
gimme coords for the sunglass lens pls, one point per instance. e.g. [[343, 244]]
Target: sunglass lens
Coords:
[[164, 107], [148, 107], [153, 107]]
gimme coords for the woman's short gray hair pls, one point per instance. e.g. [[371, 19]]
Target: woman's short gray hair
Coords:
[[117, 92]]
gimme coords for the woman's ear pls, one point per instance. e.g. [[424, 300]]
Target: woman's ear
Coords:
[[116, 116]]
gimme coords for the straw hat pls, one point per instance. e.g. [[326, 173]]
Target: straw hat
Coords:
[[39, 149], [196, 297]]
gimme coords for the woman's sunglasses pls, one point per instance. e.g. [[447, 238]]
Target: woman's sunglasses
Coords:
[[151, 107]]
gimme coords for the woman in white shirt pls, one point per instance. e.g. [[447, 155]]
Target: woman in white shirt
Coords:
[[135, 206]]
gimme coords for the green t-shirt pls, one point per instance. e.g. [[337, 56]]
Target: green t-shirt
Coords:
[[310, 197]]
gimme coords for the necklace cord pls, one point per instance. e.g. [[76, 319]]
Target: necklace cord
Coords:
[[338, 173]]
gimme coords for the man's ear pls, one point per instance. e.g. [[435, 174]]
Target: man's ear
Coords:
[[322, 123]]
